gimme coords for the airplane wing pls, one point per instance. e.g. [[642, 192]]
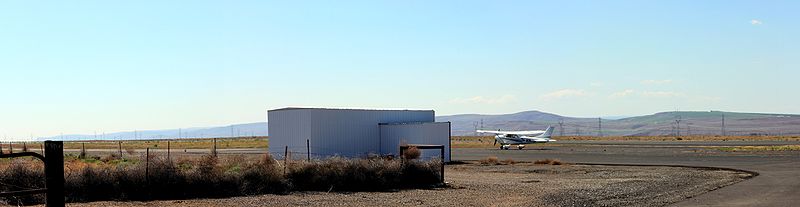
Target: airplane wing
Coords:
[[534, 132], [540, 140]]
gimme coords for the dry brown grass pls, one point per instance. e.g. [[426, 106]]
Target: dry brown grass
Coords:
[[491, 160], [548, 162], [206, 143], [412, 153], [487, 141], [508, 161], [101, 179], [760, 148], [684, 138]]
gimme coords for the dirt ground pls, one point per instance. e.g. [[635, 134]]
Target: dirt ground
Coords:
[[521, 184]]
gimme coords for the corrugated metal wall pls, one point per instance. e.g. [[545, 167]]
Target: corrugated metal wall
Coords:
[[344, 132], [433, 133]]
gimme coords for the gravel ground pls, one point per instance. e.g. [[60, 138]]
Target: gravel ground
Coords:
[[522, 184]]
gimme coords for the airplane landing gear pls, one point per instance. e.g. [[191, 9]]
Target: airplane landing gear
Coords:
[[521, 146]]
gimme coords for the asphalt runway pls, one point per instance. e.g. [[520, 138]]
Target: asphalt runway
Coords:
[[778, 182]]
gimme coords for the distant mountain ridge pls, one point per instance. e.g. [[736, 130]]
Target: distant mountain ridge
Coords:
[[663, 123], [236, 130]]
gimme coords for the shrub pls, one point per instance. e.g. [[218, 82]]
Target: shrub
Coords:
[[22, 176], [130, 151], [548, 162], [207, 178], [508, 161], [82, 155], [411, 153], [491, 160]]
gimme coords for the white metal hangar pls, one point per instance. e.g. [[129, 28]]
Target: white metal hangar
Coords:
[[323, 132]]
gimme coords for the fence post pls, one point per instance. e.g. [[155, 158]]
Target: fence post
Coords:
[[83, 151], [285, 153], [442, 157], [24, 147], [10, 147], [308, 150], [214, 148], [168, 150], [147, 165], [54, 172], [120, 149]]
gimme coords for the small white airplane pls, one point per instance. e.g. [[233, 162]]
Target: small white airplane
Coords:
[[520, 138]]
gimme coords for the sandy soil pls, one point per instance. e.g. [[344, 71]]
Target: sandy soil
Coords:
[[522, 184]]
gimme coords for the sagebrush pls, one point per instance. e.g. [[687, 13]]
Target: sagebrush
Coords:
[[210, 177]]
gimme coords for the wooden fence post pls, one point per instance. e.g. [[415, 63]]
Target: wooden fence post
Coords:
[[147, 165], [54, 172], [285, 155], [120, 149], [442, 157], [308, 150]]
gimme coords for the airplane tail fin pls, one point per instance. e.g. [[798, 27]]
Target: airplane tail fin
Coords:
[[547, 133]]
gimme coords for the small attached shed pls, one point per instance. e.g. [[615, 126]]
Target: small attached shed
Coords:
[[393, 135]]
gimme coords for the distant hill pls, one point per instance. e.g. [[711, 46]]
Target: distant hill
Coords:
[[236, 130], [664, 123]]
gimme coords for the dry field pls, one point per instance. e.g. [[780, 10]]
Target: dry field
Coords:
[[487, 141]]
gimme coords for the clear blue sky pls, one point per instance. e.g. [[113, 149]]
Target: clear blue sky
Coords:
[[79, 67]]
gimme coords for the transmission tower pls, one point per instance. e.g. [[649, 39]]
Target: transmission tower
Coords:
[[688, 129], [475, 125], [678, 126], [723, 124], [599, 127]]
